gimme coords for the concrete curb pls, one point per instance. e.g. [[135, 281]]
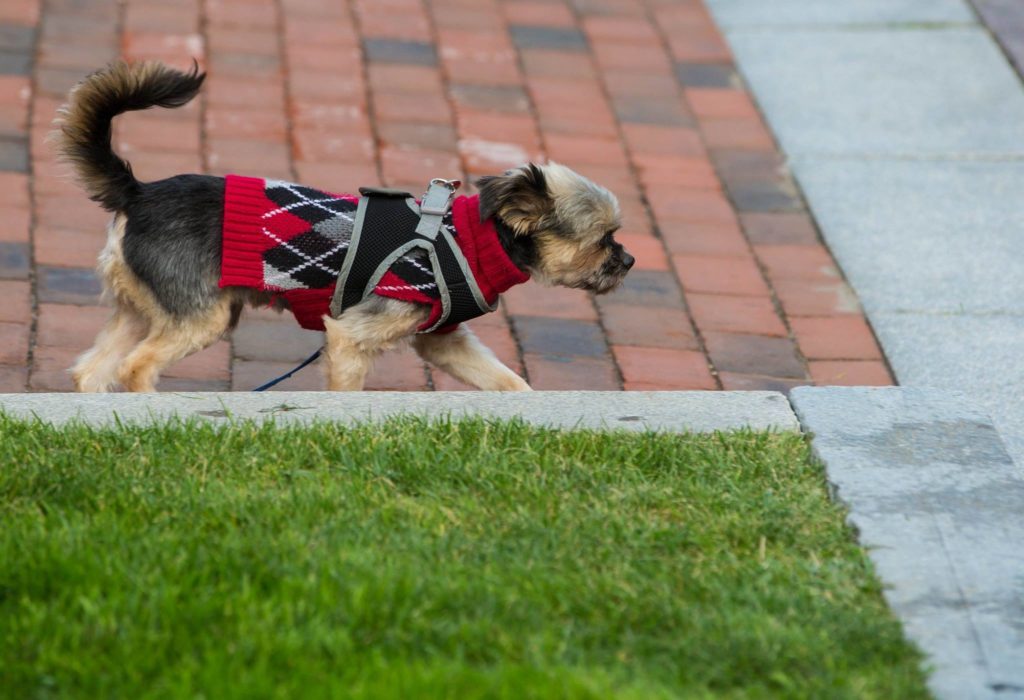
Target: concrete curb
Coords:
[[672, 411], [939, 504]]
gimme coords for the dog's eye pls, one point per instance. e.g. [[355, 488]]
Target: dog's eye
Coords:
[[608, 238]]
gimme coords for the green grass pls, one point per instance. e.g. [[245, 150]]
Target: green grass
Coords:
[[453, 560]]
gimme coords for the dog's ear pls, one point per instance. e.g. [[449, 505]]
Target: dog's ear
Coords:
[[520, 197]]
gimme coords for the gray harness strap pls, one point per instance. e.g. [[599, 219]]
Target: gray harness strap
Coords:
[[388, 225]]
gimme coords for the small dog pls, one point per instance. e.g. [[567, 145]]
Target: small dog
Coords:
[[162, 263]]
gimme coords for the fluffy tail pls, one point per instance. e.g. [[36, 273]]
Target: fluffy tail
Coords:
[[83, 137]]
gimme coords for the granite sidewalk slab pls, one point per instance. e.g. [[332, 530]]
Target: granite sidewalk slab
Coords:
[[672, 411], [937, 501]]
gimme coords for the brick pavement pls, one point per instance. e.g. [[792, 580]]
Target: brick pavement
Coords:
[[732, 289]]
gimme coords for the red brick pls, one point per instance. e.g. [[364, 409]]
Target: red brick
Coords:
[[648, 251], [686, 172], [815, 297], [408, 165], [268, 158], [20, 11], [704, 239], [462, 69], [78, 214], [63, 325], [570, 150], [398, 371], [13, 192], [631, 57], [698, 45], [152, 17], [16, 306], [544, 14], [621, 30], [307, 57], [13, 379], [850, 373], [625, 84], [690, 205], [232, 92], [246, 375], [555, 302], [662, 369], [335, 177], [50, 368], [660, 328], [325, 86], [810, 262], [779, 228], [14, 348], [499, 128], [349, 147], [150, 165], [316, 31], [243, 123], [15, 224], [212, 363], [68, 248], [412, 107], [747, 133], [559, 373], [141, 132], [389, 77], [735, 314], [720, 275], [837, 338], [720, 102], [541, 64]]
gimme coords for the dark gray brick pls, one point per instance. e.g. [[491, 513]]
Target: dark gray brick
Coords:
[[14, 260], [754, 354], [68, 285], [15, 63], [764, 196], [501, 98], [646, 288], [555, 336], [17, 38], [14, 155], [664, 111], [557, 38], [398, 51], [707, 75]]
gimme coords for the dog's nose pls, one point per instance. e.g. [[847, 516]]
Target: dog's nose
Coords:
[[627, 260]]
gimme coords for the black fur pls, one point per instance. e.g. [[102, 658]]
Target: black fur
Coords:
[[172, 240], [86, 129], [524, 188], [521, 250]]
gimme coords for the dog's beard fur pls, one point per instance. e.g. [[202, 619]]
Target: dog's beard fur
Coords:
[[562, 226]]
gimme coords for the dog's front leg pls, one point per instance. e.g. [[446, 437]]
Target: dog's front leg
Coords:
[[463, 356], [361, 333]]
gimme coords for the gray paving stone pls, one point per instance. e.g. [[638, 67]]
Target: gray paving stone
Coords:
[[977, 354], [14, 155], [859, 92], [14, 260], [673, 411], [759, 13], [646, 288], [16, 38], [937, 500], [69, 285], [939, 236]]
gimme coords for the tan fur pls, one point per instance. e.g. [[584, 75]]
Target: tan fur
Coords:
[[140, 339], [462, 355], [355, 338]]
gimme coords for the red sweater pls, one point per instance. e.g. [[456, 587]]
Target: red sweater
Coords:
[[285, 239]]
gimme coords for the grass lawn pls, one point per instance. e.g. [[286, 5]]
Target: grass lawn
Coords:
[[456, 560]]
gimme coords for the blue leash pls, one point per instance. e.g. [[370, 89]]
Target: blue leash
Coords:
[[273, 382]]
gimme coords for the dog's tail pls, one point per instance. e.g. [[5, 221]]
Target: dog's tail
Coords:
[[83, 135]]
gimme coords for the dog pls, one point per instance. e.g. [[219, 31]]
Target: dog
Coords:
[[164, 265]]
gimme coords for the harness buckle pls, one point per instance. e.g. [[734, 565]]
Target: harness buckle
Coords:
[[435, 204]]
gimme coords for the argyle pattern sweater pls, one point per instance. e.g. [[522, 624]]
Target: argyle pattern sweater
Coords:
[[290, 240]]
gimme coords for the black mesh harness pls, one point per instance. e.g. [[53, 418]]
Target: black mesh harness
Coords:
[[388, 224]]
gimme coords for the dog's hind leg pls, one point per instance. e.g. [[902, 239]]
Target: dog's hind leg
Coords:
[[462, 355], [96, 369], [169, 340]]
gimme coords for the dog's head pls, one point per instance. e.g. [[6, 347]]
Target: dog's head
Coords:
[[569, 222]]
